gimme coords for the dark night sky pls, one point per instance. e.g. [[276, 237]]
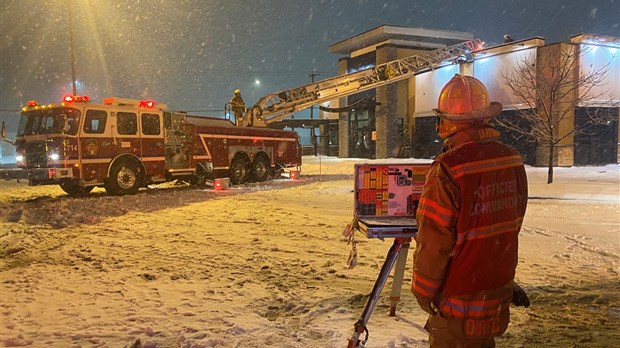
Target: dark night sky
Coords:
[[191, 54]]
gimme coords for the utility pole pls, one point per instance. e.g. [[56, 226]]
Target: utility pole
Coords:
[[72, 48], [312, 75]]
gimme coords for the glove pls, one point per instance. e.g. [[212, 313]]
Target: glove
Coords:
[[426, 303], [519, 297]]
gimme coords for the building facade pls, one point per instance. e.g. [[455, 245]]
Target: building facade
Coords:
[[378, 129], [400, 121]]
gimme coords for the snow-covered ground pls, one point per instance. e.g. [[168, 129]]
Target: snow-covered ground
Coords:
[[265, 265]]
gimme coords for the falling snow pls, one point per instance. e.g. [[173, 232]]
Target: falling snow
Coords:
[[593, 12], [118, 46], [264, 265]]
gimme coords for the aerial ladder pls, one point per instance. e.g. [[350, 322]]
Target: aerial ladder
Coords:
[[279, 105]]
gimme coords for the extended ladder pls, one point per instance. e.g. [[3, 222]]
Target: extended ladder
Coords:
[[278, 105]]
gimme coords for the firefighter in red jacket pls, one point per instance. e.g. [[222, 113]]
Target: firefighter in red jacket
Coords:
[[469, 217]]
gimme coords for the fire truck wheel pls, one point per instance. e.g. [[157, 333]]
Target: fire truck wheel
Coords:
[[260, 169], [239, 170], [124, 178], [72, 187]]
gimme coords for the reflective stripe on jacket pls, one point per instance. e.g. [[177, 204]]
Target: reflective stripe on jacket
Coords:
[[469, 217]]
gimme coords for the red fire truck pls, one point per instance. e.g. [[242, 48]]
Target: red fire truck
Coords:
[[125, 144]]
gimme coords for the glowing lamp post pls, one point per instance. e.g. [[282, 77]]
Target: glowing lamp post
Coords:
[[256, 84]]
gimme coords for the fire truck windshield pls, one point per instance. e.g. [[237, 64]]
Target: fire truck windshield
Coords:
[[49, 121]]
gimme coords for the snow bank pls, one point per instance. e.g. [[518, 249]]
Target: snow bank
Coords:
[[265, 265]]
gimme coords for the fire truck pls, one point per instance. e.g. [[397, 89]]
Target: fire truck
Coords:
[[125, 144]]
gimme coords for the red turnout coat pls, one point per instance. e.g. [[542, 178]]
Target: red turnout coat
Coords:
[[469, 217]]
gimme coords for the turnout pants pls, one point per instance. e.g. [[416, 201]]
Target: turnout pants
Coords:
[[446, 333]]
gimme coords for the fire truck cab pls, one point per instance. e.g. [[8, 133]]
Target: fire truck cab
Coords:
[[125, 144]]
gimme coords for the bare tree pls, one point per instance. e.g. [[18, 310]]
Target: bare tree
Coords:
[[550, 88]]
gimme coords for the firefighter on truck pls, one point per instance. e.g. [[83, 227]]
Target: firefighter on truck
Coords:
[[124, 144], [238, 107]]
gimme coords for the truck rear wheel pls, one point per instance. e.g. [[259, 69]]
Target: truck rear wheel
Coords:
[[239, 170], [125, 178], [260, 169], [72, 187]]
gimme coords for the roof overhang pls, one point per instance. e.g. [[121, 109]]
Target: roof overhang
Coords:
[[591, 39], [509, 47], [422, 38]]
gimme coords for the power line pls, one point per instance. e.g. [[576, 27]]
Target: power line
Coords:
[[205, 110], [260, 72]]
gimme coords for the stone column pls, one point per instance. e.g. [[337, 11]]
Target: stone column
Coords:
[[386, 124], [548, 59], [343, 119], [322, 146]]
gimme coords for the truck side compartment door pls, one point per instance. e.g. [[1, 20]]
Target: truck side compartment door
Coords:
[[96, 144], [178, 141], [152, 144]]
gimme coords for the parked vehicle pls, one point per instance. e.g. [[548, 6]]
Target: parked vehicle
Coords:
[[125, 144]]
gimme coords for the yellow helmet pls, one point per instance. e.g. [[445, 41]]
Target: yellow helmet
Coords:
[[237, 91]]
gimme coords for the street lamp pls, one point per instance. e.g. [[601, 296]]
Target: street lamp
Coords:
[[256, 84]]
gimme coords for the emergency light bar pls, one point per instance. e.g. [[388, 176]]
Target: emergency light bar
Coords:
[[76, 98], [148, 104], [33, 104]]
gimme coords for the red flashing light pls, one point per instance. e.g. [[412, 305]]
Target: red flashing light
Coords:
[[76, 98], [147, 104], [294, 174], [220, 184], [32, 103]]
